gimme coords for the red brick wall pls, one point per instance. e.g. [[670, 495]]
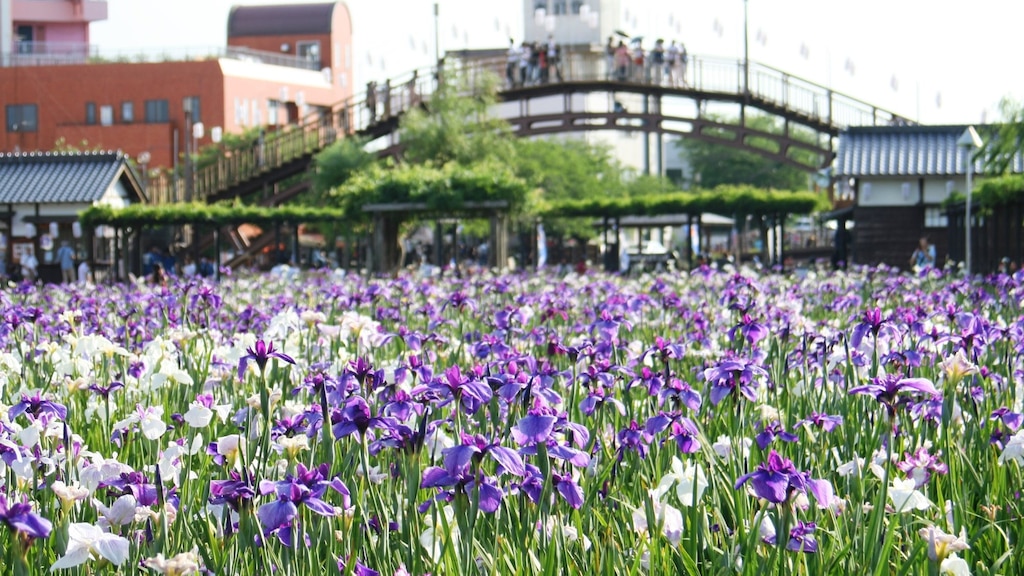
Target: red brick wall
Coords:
[[61, 94]]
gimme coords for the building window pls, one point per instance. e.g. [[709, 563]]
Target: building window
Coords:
[[540, 5], [935, 217], [90, 113], [127, 112], [192, 103], [157, 111], [22, 118], [558, 8], [309, 51], [272, 112], [106, 115], [576, 5]]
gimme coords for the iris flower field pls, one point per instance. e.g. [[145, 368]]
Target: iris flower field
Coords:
[[702, 423]]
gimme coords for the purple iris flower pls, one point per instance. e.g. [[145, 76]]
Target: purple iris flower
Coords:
[[769, 432], [920, 465], [777, 479], [21, 520], [306, 487], [680, 393], [260, 354], [38, 408], [733, 375], [873, 323], [1011, 419], [106, 391], [569, 489], [653, 381], [751, 330], [821, 420], [134, 483], [801, 538], [355, 417], [684, 431], [360, 569], [471, 393], [886, 388], [459, 457], [460, 472], [534, 429], [633, 437], [236, 492]]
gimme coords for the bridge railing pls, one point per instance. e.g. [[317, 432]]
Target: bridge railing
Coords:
[[386, 101], [280, 146]]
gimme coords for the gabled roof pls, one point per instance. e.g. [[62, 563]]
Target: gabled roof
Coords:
[[897, 151], [280, 20], [63, 177]]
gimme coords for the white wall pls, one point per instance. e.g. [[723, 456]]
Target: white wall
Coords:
[[21, 211], [117, 196], [888, 192], [936, 190]]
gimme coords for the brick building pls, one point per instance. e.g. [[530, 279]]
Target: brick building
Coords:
[[280, 64]]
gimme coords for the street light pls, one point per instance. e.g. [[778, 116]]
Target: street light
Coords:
[[969, 141]]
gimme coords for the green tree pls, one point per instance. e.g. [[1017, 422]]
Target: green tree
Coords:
[[1004, 141], [713, 164], [335, 164], [457, 125]]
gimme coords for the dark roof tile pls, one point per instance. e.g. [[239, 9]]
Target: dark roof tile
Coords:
[[51, 178], [898, 151]]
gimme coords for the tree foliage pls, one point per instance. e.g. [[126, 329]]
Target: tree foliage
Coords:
[[200, 213], [445, 190], [338, 162], [456, 126], [1004, 142], [712, 164], [726, 199]]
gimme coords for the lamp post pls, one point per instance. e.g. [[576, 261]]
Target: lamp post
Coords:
[[143, 159], [746, 52], [969, 141]]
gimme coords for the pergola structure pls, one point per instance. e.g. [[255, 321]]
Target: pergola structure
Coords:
[[388, 217], [129, 222], [769, 208]]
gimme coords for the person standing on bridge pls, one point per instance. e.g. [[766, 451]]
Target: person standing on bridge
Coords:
[[609, 58], [385, 97], [684, 58], [512, 63], [524, 63], [621, 61], [671, 63], [554, 57], [371, 100], [657, 61]]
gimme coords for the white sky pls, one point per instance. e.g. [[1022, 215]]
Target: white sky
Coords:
[[938, 61]]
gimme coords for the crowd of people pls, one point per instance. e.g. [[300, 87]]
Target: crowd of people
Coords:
[[532, 63], [158, 266]]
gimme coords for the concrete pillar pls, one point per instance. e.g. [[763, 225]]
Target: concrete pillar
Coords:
[[6, 32]]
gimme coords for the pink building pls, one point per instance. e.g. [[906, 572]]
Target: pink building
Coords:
[[281, 65], [47, 26]]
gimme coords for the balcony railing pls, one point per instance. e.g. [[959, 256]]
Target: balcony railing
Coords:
[[72, 53]]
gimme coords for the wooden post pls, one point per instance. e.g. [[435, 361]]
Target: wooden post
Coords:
[[689, 241], [439, 245], [114, 262], [216, 253]]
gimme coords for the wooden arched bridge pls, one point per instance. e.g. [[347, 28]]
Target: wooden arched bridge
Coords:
[[583, 96]]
